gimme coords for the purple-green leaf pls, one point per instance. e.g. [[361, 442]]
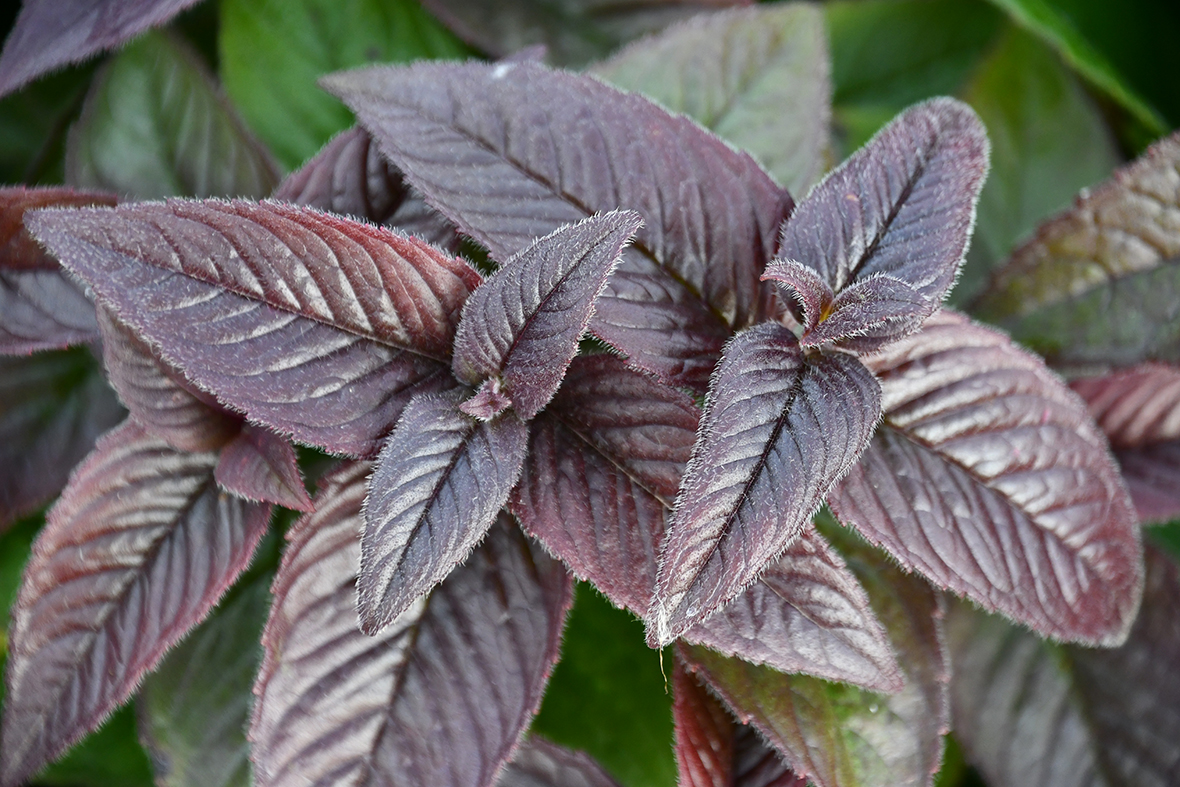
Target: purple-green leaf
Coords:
[[511, 151], [779, 429], [259, 465], [437, 487], [319, 327], [521, 328], [903, 205], [989, 477], [134, 554], [539, 763], [438, 699]]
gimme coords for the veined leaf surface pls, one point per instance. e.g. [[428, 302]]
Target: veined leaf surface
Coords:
[[259, 465], [539, 763]]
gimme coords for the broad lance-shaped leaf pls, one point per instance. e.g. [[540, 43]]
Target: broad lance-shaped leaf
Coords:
[[51, 33], [437, 487], [605, 460], [988, 477], [134, 554], [155, 125], [778, 430], [539, 763], [906, 203], [1097, 285], [259, 465], [1139, 411], [521, 328], [512, 151], [319, 327], [40, 307], [758, 77], [438, 699]]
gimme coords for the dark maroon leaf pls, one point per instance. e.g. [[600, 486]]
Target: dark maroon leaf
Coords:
[[351, 178], [808, 296], [906, 203], [260, 465], [438, 699], [539, 763], [18, 250], [778, 430], [53, 406], [134, 554], [757, 765], [870, 314], [989, 477], [704, 734], [522, 327], [437, 487], [511, 151], [316, 326], [51, 33]]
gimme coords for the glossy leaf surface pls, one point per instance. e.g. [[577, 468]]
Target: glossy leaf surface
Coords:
[[259, 465], [778, 430], [135, 553], [539, 763], [437, 487], [317, 326], [515, 150], [439, 698], [988, 476], [757, 77], [522, 327]]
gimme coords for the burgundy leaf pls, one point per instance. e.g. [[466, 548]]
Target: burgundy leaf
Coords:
[[1139, 411], [228, 290], [157, 396], [18, 250], [871, 314], [906, 203], [539, 763], [52, 33], [808, 295], [521, 328], [351, 178], [438, 699], [511, 151], [437, 487], [135, 553], [778, 430], [757, 765], [988, 477], [704, 734], [260, 465], [53, 406]]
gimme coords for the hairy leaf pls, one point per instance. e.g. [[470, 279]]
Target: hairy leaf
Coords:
[[436, 489], [53, 406], [1139, 411], [758, 77], [193, 710], [511, 151], [316, 326], [439, 698], [350, 177], [51, 33], [134, 554], [154, 125], [758, 765], [260, 465], [778, 430], [539, 763], [1097, 284], [906, 203], [988, 477], [521, 329]]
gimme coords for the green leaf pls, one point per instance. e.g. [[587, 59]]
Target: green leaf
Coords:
[[1048, 141], [608, 697], [888, 54], [110, 757], [759, 77], [273, 51], [154, 125], [33, 126]]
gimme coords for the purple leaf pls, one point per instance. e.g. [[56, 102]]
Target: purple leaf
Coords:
[[521, 328], [260, 465], [906, 203], [134, 554], [52, 33], [808, 296], [351, 178], [53, 406], [871, 314], [539, 763], [437, 487], [1139, 411], [988, 477], [757, 765], [778, 430], [225, 290], [438, 699], [511, 151]]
